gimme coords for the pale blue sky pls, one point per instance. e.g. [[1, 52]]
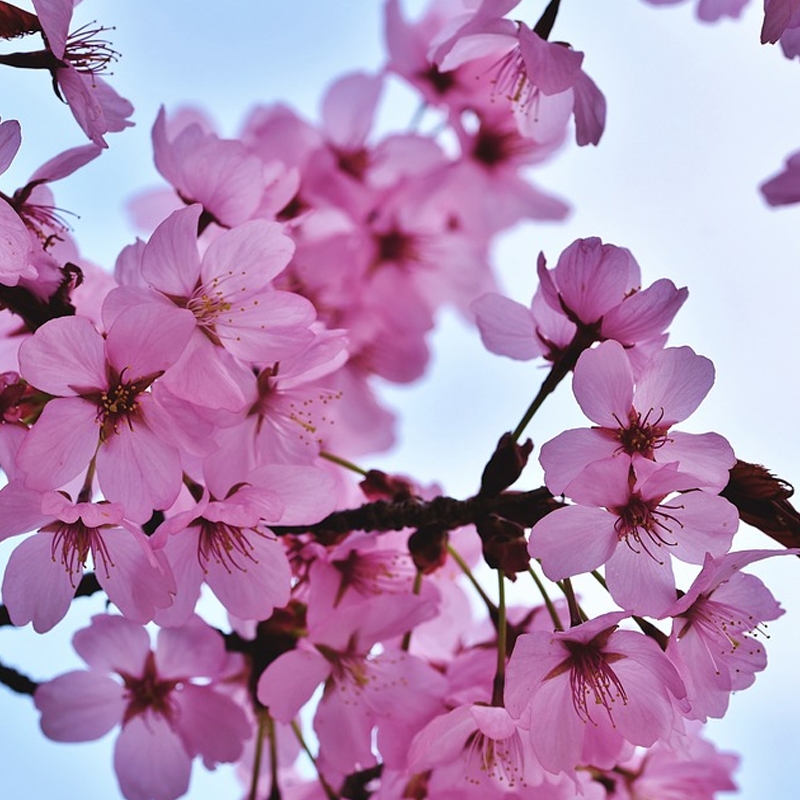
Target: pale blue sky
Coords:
[[698, 115]]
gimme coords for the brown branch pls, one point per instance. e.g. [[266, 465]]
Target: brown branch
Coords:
[[447, 513]]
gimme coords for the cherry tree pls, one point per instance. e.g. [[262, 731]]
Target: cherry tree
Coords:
[[561, 573]]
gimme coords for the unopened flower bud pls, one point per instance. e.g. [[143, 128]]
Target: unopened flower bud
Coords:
[[505, 465]]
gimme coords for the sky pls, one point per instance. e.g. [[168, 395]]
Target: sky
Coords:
[[698, 116]]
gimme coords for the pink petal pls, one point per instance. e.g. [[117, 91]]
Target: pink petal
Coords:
[[139, 470], [60, 444], [113, 644], [171, 262], [193, 650], [507, 328], [644, 314], [639, 582], [66, 356], [20, 510], [573, 540], [148, 338], [150, 761], [244, 260], [348, 109], [262, 583], [10, 140], [552, 67], [590, 110], [36, 587], [66, 163], [79, 706], [289, 681], [603, 384], [54, 17], [211, 724], [674, 383], [133, 582], [566, 456]]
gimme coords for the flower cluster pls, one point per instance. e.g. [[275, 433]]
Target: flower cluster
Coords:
[[192, 418]]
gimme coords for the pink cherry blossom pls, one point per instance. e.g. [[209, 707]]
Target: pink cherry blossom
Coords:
[[202, 168], [594, 293], [166, 716], [238, 316], [692, 770], [635, 415], [101, 409], [44, 571], [717, 630], [629, 519], [224, 542], [490, 749], [390, 690], [80, 55], [599, 687]]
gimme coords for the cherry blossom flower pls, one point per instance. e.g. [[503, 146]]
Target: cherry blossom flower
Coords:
[[542, 80], [599, 687], [636, 415], [490, 748], [594, 293], [44, 570], [79, 56], [629, 519], [391, 689], [166, 716], [693, 770], [238, 316], [223, 542], [217, 173], [101, 407], [715, 634]]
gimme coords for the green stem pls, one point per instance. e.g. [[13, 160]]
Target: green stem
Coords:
[[576, 616], [468, 572], [274, 789], [582, 339], [327, 788], [262, 723], [499, 684], [415, 590], [342, 462], [551, 609]]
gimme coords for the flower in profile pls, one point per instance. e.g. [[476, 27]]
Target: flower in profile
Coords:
[[715, 640], [78, 57], [166, 716], [597, 686]]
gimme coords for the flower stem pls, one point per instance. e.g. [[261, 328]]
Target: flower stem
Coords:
[[262, 724], [551, 609], [327, 788], [499, 684], [468, 572], [576, 616], [415, 590], [342, 462]]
